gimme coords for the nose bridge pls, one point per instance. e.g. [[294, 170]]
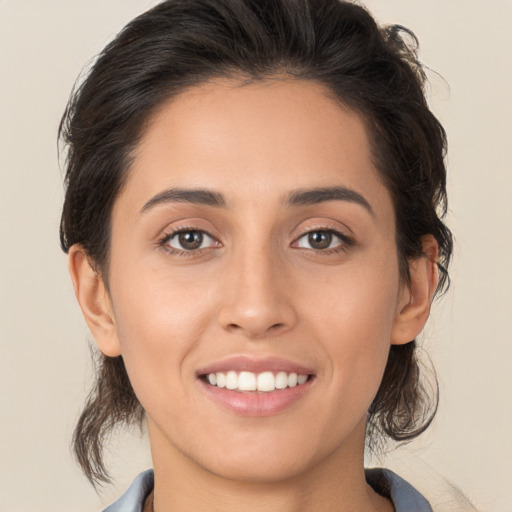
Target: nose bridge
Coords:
[[256, 302]]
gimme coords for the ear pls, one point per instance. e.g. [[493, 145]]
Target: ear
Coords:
[[415, 301], [94, 301]]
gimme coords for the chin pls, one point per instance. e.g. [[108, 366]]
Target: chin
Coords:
[[267, 468], [270, 456]]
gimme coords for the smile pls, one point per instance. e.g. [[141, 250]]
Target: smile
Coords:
[[263, 382], [255, 386]]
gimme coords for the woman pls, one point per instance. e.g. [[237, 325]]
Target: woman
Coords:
[[253, 215]]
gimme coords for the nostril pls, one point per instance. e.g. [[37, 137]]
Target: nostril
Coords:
[[261, 331], [256, 321]]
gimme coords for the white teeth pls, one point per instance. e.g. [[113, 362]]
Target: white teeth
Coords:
[[266, 381], [231, 380], [262, 382], [221, 380], [292, 380], [281, 380], [247, 381]]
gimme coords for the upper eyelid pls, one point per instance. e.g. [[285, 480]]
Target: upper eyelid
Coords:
[[345, 232], [172, 234], [170, 231], [337, 232], [322, 223], [166, 238], [345, 239]]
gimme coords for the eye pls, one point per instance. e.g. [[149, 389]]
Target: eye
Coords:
[[189, 240], [321, 240]]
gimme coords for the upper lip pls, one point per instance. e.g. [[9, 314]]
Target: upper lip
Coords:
[[253, 364]]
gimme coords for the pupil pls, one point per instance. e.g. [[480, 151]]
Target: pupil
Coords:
[[320, 239], [191, 239]]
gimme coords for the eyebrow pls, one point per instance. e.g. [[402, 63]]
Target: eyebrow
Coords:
[[179, 195], [297, 198], [324, 194]]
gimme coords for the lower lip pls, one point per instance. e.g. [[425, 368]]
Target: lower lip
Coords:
[[253, 404]]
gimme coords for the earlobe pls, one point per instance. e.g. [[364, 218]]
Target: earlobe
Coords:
[[414, 306], [94, 301]]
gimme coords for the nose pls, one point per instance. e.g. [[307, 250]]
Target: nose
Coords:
[[257, 296]]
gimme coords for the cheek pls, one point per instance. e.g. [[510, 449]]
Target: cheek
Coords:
[[362, 296], [353, 316], [159, 321], [154, 305]]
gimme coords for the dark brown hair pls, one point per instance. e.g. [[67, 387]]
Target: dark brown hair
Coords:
[[180, 43]]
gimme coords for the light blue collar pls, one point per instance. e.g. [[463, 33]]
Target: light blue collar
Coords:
[[404, 496]]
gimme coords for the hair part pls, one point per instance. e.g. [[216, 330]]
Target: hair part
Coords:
[[182, 43]]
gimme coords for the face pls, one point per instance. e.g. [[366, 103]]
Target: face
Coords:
[[254, 279]]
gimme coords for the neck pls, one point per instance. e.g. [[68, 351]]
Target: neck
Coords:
[[336, 483]]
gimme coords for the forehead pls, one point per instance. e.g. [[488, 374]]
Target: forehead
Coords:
[[256, 140], [267, 117]]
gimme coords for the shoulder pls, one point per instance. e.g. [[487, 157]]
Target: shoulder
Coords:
[[133, 499], [403, 495]]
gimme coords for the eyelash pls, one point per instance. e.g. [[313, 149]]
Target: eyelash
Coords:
[[346, 241], [164, 242], [345, 244]]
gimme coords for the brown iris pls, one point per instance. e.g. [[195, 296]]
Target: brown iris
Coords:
[[320, 239], [190, 240]]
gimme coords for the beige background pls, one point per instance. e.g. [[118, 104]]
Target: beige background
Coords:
[[44, 360]]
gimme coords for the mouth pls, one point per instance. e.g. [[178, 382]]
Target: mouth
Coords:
[[256, 387], [263, 382]]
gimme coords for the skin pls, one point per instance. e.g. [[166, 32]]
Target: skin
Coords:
[[258, 288]]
